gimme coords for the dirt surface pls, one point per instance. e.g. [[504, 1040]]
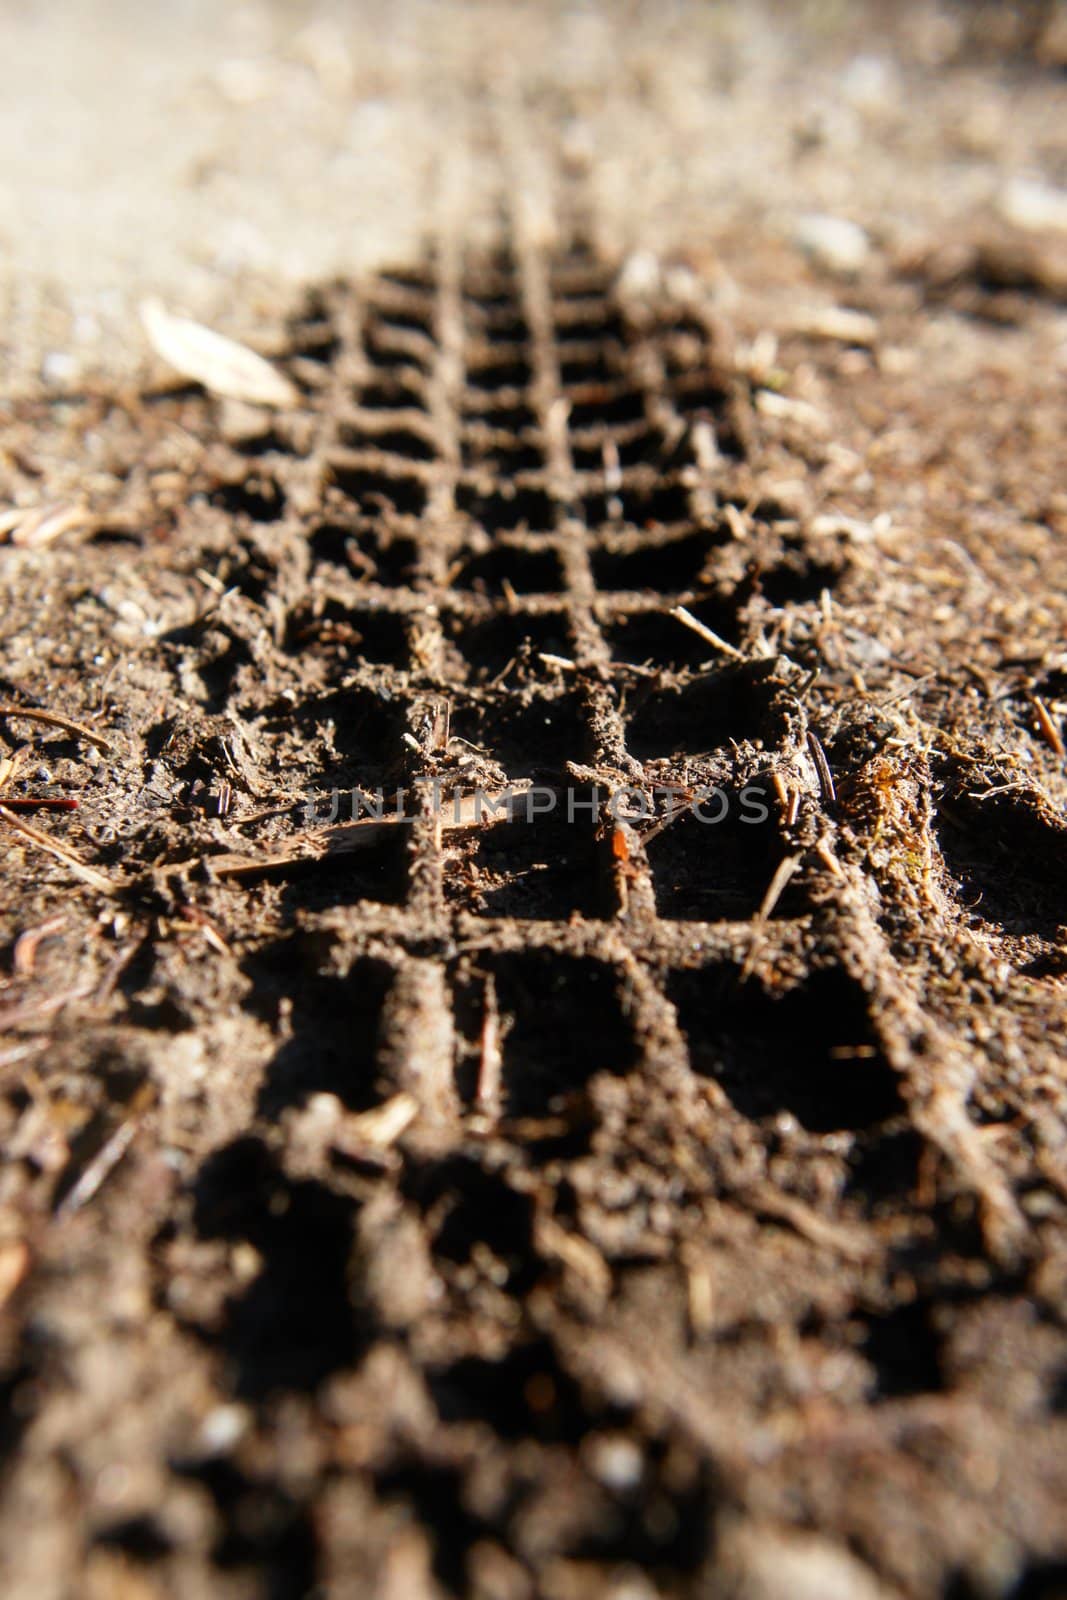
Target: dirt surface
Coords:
[[615, 1204]]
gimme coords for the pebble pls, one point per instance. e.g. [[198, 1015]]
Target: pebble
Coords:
[[870, 83], [616, 1461], [1034, 206], [58, 367], [223, 1428], [833, 242], [640, 275]]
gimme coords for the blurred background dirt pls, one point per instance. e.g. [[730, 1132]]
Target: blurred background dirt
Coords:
[[194, 148]]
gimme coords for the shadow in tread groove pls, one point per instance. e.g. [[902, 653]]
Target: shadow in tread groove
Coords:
[[294, 1323], [811, 1051], [1009, 861]]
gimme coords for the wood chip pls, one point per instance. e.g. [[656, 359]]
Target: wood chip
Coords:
[[222, 365], [700, 1295], [34, 526], [736, 523], [380, 1128], [582, 1257], [839, 323], [14, 1262], [785, 409]]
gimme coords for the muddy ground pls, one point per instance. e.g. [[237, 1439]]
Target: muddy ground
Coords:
[[607, 1205]]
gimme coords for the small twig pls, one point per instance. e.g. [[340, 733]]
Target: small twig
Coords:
[[828, 859], [26, 944], [346, 837], [669, 816], [469, 811], [33, 1010], [706, 633], [21, 1052], [494, 683], [810, 1224], [54, 720], [776, 888], [1048, 727], [62, 852], [580, 1255], [822, 767], [490, 1065], [905, 694], [774, 891], [36, 802], [193, 917], [262, 816], [107, 1157], [115, 968], [735, 522]]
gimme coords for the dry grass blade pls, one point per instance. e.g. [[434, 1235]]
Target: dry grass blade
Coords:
[[62, 852], [222, 365], [841, 1237]]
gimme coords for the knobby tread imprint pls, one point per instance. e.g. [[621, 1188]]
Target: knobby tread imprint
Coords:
[[531, 1203]]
